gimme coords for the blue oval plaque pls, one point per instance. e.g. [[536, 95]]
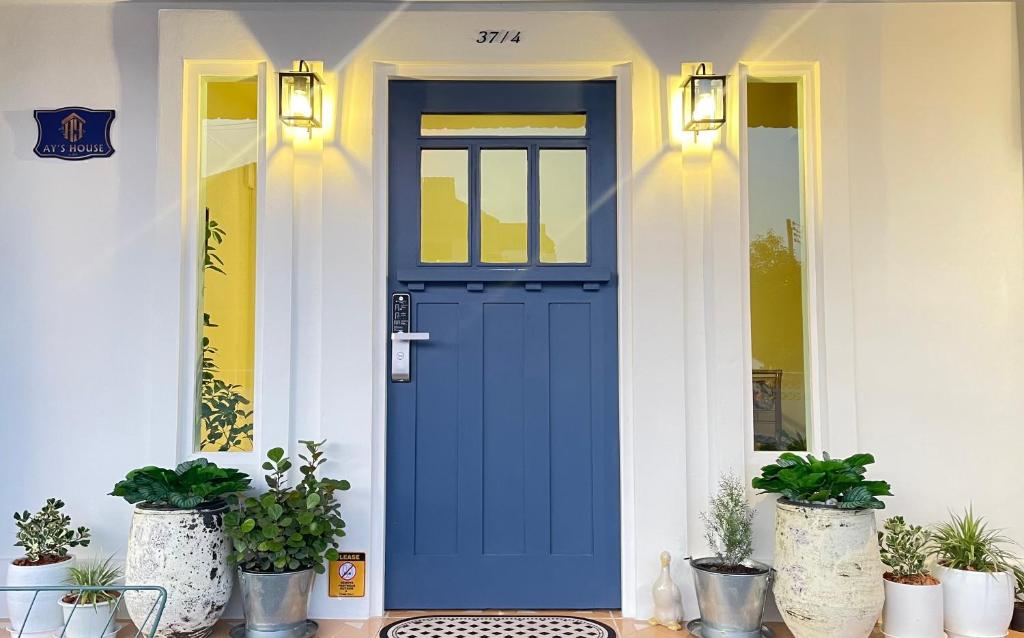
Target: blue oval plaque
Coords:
[[74, 133]]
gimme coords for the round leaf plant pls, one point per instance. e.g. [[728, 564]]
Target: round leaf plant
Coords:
[[831, 482], [288, 528]]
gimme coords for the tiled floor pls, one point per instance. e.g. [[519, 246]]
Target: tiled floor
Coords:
[[624, 627]]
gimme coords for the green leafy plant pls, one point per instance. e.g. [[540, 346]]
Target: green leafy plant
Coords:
[[727, 523], [94, 573], [190, 485], [966, 542], [288, 528], [46, 536], [1019, 573], [225, 419], [833, 482], [904, 549]]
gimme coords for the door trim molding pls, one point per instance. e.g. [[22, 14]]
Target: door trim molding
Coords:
[[382, 73]]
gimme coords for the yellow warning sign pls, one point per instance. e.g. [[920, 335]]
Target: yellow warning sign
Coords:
[[347, 576]]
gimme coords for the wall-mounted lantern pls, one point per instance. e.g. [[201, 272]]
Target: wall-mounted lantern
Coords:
[[300, 98], [703, 101]]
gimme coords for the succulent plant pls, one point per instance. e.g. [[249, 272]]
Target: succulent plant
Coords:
[[46, 535]]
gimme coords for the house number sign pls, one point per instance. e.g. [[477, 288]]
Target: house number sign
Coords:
[[498, 37], [73, 133]]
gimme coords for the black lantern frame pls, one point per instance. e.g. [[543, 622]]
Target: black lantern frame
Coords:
[[313, 84], [698, 85]]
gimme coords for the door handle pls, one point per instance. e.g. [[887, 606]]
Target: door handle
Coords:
[[399, 337], [400, 353]]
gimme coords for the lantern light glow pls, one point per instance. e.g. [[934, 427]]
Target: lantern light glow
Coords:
[[300, 98], [703, 101]]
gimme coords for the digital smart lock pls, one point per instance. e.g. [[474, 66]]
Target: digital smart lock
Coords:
[[401, 322]]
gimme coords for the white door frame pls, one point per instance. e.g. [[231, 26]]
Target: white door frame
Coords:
[[382, 73]]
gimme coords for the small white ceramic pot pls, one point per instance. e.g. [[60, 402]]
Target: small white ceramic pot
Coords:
[[89, 620], [186, 553], [912, 611], [45, 614], [829, 573], [976, 604]]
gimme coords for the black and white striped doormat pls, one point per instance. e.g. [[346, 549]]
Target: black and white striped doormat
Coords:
[[520, 626]]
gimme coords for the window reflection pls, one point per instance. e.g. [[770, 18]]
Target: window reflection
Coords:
[[444, 207], [777, 263], [563, 206], [503, 206], [227, 196]]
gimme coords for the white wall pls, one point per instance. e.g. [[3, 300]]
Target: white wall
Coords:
[[921, 245]]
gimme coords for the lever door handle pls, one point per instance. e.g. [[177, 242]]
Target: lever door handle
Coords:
[[399, 337], [400, 353]]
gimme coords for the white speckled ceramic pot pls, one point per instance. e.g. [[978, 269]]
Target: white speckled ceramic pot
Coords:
[[829, 573], [185, 552]]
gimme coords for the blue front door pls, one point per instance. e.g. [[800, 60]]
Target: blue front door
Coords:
[[502, 442]]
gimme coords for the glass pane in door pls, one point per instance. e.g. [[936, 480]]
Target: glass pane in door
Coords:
[[503, 205], [444, 206], [563, 206]]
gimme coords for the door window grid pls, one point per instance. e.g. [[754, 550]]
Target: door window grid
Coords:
[[535, 214]]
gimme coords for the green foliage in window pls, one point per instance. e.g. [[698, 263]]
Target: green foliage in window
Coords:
[[727, 523], [904, 548], [966, 542], [288, 528], [833, 482], [190, 485], [225, 419], [46, 536], [94, 573]]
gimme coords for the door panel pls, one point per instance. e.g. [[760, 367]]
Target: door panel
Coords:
[[502, 462]]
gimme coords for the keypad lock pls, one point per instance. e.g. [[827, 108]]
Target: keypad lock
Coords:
[[401, 321]]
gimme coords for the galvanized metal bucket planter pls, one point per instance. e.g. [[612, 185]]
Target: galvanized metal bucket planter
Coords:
[[276, 605], [731, 605]]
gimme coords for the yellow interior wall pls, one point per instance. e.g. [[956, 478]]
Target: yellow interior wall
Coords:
[[230, 298]]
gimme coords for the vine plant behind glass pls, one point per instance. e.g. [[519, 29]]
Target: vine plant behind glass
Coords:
[[225, 418]]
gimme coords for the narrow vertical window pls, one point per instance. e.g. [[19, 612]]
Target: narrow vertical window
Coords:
[[228, 137], [777, 264]]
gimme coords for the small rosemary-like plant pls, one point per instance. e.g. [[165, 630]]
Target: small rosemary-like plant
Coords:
[[966, 542], [727, 523], [94, 573], [904, 548], [46, 535]]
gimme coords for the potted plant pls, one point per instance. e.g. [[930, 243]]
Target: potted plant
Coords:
[[89, 613], [1018, 605], [977, 574], [281, 538], [913, 597], [828, 581], [46, 537], [731, 588], [177, 541]]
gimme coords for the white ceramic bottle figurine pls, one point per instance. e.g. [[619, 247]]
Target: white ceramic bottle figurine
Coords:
[[668, 602]]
